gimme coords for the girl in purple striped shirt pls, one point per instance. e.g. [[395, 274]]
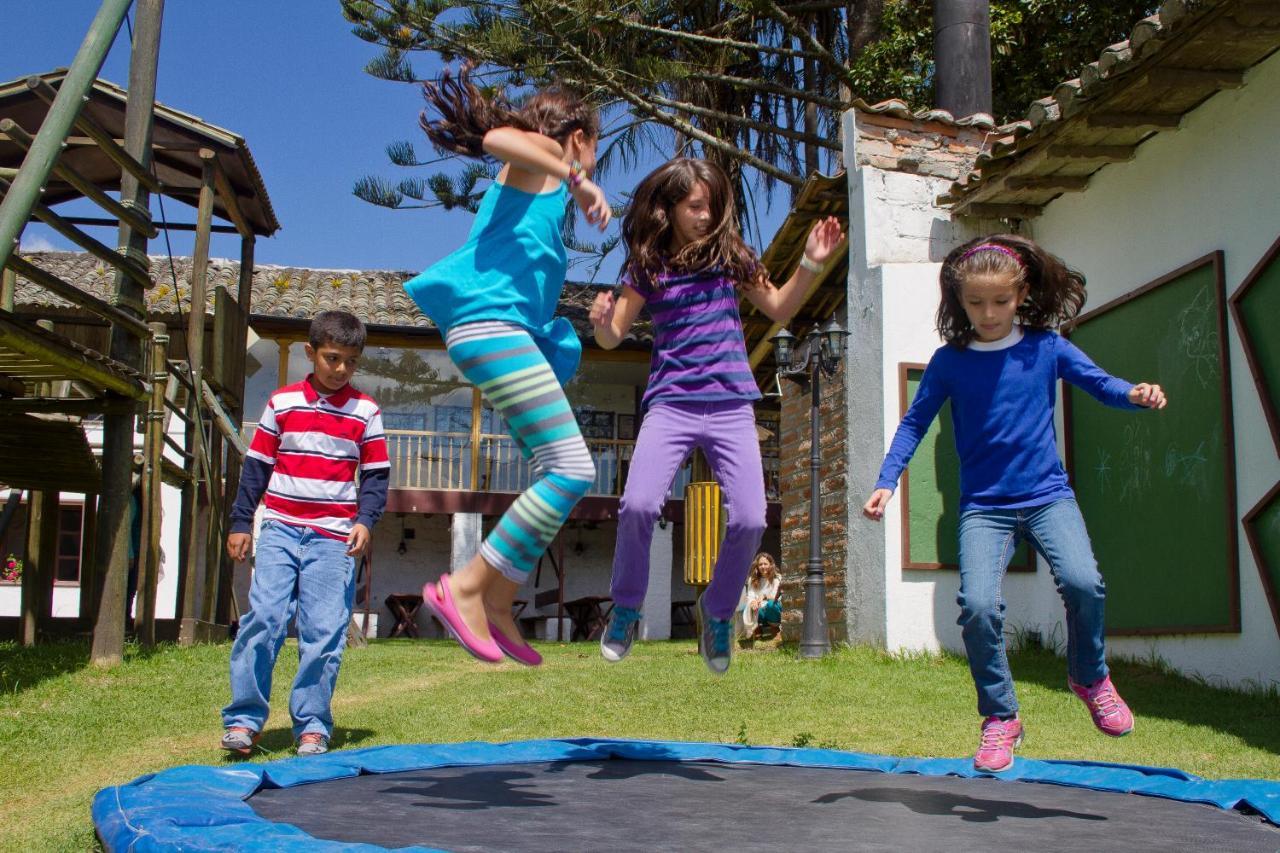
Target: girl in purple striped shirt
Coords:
[[687, 263]]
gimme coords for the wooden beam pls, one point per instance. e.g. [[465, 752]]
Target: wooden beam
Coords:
[[76, 296], [1093, 153], [1055, 183], [1133, 121], [168, 226], [86, 187], [18, 337], [1196, 77], [990, 210], [231, 201], [100, 137], [102, 252], [65, 405]]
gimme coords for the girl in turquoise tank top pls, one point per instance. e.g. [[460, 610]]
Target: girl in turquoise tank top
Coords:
[[494, 301]]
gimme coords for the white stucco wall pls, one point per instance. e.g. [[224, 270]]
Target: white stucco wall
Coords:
[[1211, 185]]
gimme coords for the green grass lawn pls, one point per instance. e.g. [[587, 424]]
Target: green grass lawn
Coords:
[[67, 730]]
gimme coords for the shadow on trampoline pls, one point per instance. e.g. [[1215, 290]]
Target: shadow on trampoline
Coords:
[[622, 770], [943, 804], [471, 791]]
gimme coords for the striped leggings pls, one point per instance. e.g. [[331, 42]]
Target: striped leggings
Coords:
[[503, 361]]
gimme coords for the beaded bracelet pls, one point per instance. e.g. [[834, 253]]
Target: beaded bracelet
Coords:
[[576, 174]]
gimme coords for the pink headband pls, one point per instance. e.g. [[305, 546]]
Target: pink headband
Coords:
[[993, 247]]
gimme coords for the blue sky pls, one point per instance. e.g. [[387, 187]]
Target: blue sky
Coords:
[[291, 82]]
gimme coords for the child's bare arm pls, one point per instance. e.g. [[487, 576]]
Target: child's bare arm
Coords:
[[781, 303], [612, 320]]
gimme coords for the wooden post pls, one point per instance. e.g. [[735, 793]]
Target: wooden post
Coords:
[[39, 566], [112, 546], [150, 501], [199, 524], [282, 364], [213, 545], [8, 284]]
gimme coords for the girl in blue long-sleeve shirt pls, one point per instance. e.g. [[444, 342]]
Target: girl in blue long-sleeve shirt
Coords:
[[1001, 297]]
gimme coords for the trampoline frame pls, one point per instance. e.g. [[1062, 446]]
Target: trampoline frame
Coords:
[[201, 807]]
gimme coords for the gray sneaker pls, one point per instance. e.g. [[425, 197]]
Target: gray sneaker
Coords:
[[239, 740], [313, 743], [620, 633], [714, 640]]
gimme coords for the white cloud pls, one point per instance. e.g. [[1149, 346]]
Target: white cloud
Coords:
[[38, 243]]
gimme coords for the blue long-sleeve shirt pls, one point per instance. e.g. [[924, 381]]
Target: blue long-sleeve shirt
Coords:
[[1002, 403]]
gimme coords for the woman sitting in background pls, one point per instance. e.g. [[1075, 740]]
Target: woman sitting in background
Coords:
[[762, 608]]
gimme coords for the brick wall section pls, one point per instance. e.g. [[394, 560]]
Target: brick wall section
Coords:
[[794, 481], [917, 147]]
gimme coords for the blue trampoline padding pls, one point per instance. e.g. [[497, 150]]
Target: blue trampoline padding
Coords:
[[203, 808]]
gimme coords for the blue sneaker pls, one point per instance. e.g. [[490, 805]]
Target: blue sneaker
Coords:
[[715, 638], [615, 642]]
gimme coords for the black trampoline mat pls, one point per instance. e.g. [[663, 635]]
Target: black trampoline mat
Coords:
[[668, 805]]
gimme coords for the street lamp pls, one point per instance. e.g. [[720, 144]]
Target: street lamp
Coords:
[[819, 353]]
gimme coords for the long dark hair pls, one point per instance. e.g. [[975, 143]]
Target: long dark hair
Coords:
[[466, 114], [647, 226], [1055, 292]]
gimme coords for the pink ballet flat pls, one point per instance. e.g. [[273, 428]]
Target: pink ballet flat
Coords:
[[525, 654], [439, 599]]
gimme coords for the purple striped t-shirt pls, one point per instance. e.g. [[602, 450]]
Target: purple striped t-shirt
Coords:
[[698, 351]]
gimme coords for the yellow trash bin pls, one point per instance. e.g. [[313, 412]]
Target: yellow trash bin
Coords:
[[704, 521]]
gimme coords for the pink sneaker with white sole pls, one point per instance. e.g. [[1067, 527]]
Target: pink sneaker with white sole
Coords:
[[1110, 713], [999, 739]]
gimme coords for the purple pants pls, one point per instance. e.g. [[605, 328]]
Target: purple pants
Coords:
[[726, 432]]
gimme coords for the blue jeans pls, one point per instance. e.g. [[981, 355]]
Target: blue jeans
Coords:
[[295, 569], [988, 538]]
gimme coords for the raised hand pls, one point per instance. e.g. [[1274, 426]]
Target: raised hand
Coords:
[[591, 201], [823, 238], [602, 310]]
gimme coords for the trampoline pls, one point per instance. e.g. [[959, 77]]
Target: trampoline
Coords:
[[583, 794]]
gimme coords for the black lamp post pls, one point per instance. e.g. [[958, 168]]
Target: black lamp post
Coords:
[[819, 353]]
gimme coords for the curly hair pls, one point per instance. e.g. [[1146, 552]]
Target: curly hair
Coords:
[[466, 113], [1055, 292], [647, 226]]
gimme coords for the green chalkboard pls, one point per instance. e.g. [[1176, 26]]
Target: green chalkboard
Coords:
[[1158, 488], [1262, 527], [1256, 305], [930, 492]]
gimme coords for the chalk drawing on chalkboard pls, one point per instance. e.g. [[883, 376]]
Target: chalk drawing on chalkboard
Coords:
[[1134, 462], [1197, 329], [1189, 469], [1103, 470]]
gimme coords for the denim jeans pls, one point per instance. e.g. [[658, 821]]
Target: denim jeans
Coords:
[[988, 538], [295, 569]]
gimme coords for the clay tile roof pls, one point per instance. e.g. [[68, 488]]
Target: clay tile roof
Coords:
[[1172, 62], [294, 293]]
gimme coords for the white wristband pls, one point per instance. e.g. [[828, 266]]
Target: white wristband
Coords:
[[811, 266]]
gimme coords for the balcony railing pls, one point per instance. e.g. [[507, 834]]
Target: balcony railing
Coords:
[[424, 459]]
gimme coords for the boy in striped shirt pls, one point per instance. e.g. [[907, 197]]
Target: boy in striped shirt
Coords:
[[318, 463]]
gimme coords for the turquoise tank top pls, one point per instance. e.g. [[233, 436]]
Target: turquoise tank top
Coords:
[[511, 268]]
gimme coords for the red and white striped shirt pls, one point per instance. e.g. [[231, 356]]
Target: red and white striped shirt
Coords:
[[315, 445]]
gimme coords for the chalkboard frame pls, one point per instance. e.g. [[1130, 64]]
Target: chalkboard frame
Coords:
[[904, 400], [1232, 561], [1273, 595], [1270, 406]]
